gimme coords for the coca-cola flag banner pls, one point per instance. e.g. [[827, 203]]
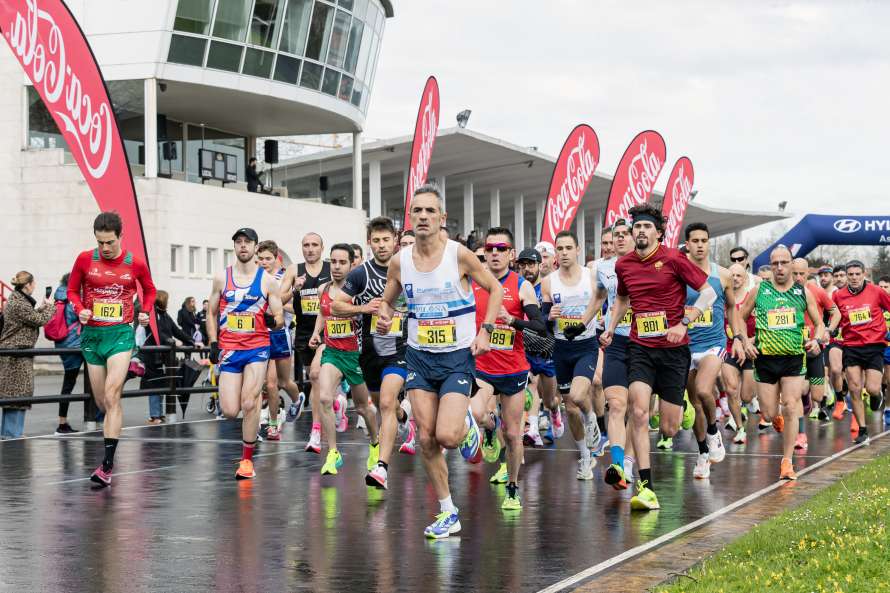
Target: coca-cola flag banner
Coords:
[[55, 55], [676, 200], [636, 174], [425, 130], [572, 174]]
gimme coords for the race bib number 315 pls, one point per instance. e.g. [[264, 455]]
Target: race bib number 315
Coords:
[[438, 333]]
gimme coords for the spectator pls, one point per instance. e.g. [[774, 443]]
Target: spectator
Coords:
[[187, 320], [21, 326], [359, 255], [202, 320], [252, 177], [472, 241], [71, 363], [154, 376]]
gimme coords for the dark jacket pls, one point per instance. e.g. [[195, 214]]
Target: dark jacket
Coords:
[[167, 331], [187, 321], [21, 328], [253, 179]]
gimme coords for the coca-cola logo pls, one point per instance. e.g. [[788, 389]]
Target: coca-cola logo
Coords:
[[636, 175], [676, 200], [86, 119], [572, 174]]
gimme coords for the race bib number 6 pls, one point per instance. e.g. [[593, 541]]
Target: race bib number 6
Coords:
[[108, 311], [651, 325], [240, 323], [439, 333]]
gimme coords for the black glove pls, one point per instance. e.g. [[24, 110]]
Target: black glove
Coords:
[[270, 320], [214, 352], [573, 331]]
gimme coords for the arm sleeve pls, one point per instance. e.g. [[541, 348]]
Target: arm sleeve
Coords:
[[143, 276], [74, 283], [534, 322], [356, 282]]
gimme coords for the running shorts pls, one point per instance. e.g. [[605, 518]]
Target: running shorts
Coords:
[[770, 369], [375, 367], [574, 359], [505, 384], [279, 344], [887, 356], [734, 363], [540, 365], [303, 356], [816, 368], [99, 343], [440, 372], [234, 361], [346, 362], [615, 363], [665, 370], [697, 357], [869, 357]]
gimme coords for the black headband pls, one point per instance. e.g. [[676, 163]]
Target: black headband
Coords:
[[643, 216]]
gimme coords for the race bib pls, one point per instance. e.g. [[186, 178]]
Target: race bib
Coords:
[[502, 338], [627, 319], [860, 315], [394, 330], [563, 322], [706, 319], [652, 325], [340, 328], [436, 333], [108, 311], [309, 305], [240, 322], [781, 318]]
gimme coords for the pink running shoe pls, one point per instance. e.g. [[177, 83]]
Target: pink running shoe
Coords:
[[341, 421], [408, 447], [558, 427], [101, 477], [273, 433]]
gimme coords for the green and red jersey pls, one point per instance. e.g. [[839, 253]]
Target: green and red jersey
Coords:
[[107, 287]]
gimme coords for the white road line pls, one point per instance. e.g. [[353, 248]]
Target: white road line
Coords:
[[138, 471], [138, 426], [628, 554]]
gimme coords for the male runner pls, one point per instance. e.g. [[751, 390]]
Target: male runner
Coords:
[[738, 376], [244, 305], [779, 349], [442, 341], [569, 297], [597, 394], [884, 284], [654, 279], [503, 371], [862, 306], [406, 239], [279, 375], [548, 257], [309, 276], [101, 288], [383, 357], [826, 279], [340, 360], [835, 352]]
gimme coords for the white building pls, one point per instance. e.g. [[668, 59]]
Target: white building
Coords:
[[191, 73]]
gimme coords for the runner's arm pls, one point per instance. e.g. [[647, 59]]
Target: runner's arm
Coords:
[[75, 280], [319, 321], [815, 316], [745, 310], [534, 319], [287, 285], [835, 320], [149, 292], [355, 284], [393, 287], [547, 304], [595, 304], [619, 309], [212, 320], [273, 289], [484, 278], [706, 298]]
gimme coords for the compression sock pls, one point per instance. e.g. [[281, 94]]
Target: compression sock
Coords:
[[703, 446], [617, 455], [646, 476], [247, 450], [110, 449], [582, 448], [601, 422], [712, 429]]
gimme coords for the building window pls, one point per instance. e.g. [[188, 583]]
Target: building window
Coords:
[[231, 19], [287, 69], [258, 63], [263, 25], [295, 27], [339, 39], [193, 16], [187, 50], [228, 256], [175, 256], [224, 56], [194, 254], [331, 81], [355, 43], [319, 32], [211, 261], [311, 78]]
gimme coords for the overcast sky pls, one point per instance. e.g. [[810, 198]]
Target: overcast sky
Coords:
[[772, 101]]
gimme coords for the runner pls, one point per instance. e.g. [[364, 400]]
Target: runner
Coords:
[[654, 279], [707, 341], [835, 353], [101, 288], [739, 255], [779, 349], [435, 275], [407, 239], [597, 394], [864, 332], [503, 371], [382, 357], [279, 375], [309, 276], [244, 305], [569, 300], [738, 375], [548, 257], [340, 360]]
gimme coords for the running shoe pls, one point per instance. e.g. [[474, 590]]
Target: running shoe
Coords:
[[559, 428], [645, 499], [702, 469], [615, 477], [273, 433], [829, 397], [501, 476], [446, 523], [740, 438], [688, 414], [814, 413], [629, 469], [491, 445], [823, 415], [779, 423], [408, 447], [716, 451], [744, 410], [264, 415], [373, 455], [314, 444], [377, 477], [341, 422], [592, 432], [848, 402], [800, 443], [101, 477], [655, 420], [532, 438], [731, 425], [245, 470], [854, 425], [543, 422], [296, 408], [839, 409], [665, 444], [512, 501], [360, 425], [724, 405], [585, 468], [762, 424], [862, 437], [470, 448], [887, 417], [64, 429], [786, 470], [333, 462], [600, 449]]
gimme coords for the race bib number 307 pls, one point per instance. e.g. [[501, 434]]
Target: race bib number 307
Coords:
[[340, 328], [436, 333]]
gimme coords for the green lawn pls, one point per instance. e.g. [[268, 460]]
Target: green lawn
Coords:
[[838, 541]]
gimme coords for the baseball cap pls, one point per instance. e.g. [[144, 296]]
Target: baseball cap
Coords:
[[545, 247], [247, 232], [529, 254]]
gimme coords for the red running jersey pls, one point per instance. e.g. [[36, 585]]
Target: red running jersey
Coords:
[[862, 319], [339, 332], [507, 354], [107, 287], [242, 321]]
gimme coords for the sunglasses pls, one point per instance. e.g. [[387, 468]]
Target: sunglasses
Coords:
[[738, 259], [499, 247]]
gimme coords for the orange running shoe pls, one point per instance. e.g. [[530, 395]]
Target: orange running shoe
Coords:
[[854, 426], [839, 408], [786, 470], [779, 423], [245, 470]]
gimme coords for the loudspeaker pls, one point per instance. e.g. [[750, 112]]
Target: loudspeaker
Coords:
[[323, 183], [162, 127], [271, 151]]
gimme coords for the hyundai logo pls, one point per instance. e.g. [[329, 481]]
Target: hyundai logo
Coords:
[[847, 225]]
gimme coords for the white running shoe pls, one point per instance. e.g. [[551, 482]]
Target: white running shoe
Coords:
[[730, 424], [264, 416], [740, 438], [532, 438], [360, 424], [716, 451], [543, 422], [702, 469], [628, 469], [585, 468], [592, 432]]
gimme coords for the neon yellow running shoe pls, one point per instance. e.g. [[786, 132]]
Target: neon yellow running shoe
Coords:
[[333, 462], [373, 455], [645, 499], [512, 502], [688, 414], [491, 446], [501, 476]]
